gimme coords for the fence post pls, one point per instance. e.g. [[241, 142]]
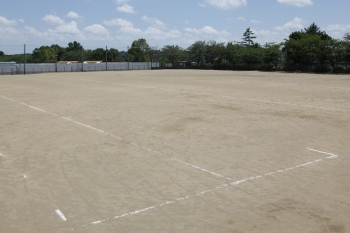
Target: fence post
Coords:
[[106, 59], [128, 59]]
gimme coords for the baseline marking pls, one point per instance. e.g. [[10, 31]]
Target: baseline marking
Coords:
[[61, 215], [223, 96], [236, 183], [332, 156], [118, 138]]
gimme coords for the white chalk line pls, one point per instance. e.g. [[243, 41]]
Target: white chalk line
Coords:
[[1, 155], [223, 96], [61, 215], [118, 138], [207, 191], [332, 156]]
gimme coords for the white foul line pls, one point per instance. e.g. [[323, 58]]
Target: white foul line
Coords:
[[223, 96], [207, 191], [61, 215], [118, 138], [332, 156]]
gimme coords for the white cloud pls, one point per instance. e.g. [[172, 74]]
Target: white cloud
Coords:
[[73, 15], [299, 3], [227, 4], [266, 36], [206, 29], [241, 18], [130, 30], [201, 4], [121, 1], [97, 32], [337, 30], [9, 33], [126, 8], [295, 24], [67, 31], [338, 27], [21, 20], [118, 22], [256, 21], [7, 22], [54, 19], [156, 22], [97, 29]]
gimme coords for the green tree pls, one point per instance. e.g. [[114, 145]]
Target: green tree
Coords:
[[248, 37], [114, 55], [2, 53], [272, 53], [73, 52], [44, 54], [74, 46], [196, 52], [334, 51], [172, 54], [138, 51], [233, 53], [214, 52], [346, 44], [304, 47], [99, 54]]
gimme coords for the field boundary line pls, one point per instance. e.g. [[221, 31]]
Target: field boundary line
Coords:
[[235, 183], [61, 215], [222, 96], [118, 138]]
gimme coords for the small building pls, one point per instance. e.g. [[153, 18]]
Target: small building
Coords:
[[76, 62], [184, 64]]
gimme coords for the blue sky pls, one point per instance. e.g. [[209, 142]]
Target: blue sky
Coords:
[[116, 23]]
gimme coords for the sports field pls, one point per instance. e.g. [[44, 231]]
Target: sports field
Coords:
[[175, 151]]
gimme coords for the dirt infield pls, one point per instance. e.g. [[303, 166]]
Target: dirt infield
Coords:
[[175, 151]]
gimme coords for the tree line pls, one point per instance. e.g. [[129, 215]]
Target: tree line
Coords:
[[309, 49]]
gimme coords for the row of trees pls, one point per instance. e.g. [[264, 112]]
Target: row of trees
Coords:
[[73, 52], [308, 48]]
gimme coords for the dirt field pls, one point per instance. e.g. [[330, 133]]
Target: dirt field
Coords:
[[175, 151]]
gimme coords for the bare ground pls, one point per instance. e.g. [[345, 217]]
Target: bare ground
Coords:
[[175, 151]]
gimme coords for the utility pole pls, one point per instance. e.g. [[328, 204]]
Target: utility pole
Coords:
[[106, 58], [82, 59], [56, 58], [128, 59], [24, 71]]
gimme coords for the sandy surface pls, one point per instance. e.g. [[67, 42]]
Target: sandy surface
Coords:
[[175, 151]]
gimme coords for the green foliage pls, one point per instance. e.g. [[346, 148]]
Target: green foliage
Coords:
[[2, 53], [304, 47], [172, 54], [138, 51], [248, 37], [196, 52], [44, 54], [272, 54], [214, 53]]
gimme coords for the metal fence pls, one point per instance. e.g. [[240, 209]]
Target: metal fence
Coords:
[[33, 68]]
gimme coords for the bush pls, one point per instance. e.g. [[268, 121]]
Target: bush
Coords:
[[322, 69], [338, 70], [347, 70], [267, 68]]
